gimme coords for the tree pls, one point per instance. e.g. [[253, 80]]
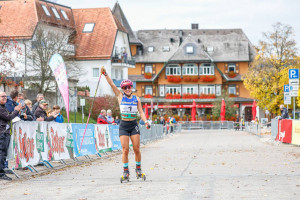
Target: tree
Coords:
[[230, 109], [45, 44], [107, 102], [268, 72]]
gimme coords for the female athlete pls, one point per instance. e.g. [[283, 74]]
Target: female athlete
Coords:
[[129, 106]]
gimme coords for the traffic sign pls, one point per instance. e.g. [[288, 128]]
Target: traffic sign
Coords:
[[294, 87], [286, 88], [293, 73], [294, 93]]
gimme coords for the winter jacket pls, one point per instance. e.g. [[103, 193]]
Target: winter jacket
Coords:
[[102, 120], [39, 112], [284, 114], [5, 119], [10, 104], [59, 119], [35, 106], [30, 116]]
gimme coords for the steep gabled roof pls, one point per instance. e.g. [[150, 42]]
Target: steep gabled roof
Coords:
[[99, 43], [198, 54], [18, 19], [229, 45], [118, 12]]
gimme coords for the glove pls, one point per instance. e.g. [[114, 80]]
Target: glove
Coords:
[[147, 125], [103, 71]]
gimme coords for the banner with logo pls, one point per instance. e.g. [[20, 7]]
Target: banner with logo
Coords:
[[59, 70], [24, 140], [114, 135], [57, 137], [88, 144], [296, 132], [102, 138], [284, 131]]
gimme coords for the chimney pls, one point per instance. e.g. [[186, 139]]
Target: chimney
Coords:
[[195, 26]]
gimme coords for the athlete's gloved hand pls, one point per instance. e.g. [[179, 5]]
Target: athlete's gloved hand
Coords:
[[147, 125], [103, 71]]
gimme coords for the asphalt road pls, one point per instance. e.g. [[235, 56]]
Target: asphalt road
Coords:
[[189, 165]]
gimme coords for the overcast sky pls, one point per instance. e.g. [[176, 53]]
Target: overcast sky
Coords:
[[253, 16]]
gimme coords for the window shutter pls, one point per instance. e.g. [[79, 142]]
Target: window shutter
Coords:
[[237, 68], [143, 69], [226, 68], [143, 90], [153, 69], [154, 90]]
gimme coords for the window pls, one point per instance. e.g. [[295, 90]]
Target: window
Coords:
[[161, 90], [190, 89], [218, 90], [88, 27], [148, 89], [148, 68], [207, 69], [151, 49], [64, 14], [46, 10], [231, 89], [208, 89], [96, 72], [173, 90], [166, 49], [190, 69], [189, 49], [173, 70], [55, 12], [231, 67]]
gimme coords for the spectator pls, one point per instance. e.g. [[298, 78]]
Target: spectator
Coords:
[[40, 112], [109, 116], [102, 118], [39, 97], [156, 121], [171, 124], [25, 113], [5, 120], [28, 104], [59, 118], [117, 120], [284, 112], [242, 123], [12, 101], [162, 121]]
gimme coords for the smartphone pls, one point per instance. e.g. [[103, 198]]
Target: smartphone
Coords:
[[22, 102]]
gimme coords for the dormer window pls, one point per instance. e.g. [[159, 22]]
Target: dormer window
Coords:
[[231, 67], [210, 49], [150, 49], [46, 10], [55, 13], [189, 49], [88, 27], [166, 49], [64, 14]]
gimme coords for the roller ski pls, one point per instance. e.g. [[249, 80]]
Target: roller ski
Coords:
[[125, 176], [139, 173]]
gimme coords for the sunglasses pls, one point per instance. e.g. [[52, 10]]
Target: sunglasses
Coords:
[[126, 87], [3, 96]]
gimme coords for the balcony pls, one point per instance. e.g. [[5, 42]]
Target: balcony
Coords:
[[121, 61]]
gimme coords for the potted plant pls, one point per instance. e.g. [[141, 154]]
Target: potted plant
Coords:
[[149, 96], [232, 74], [207, 78], [148, 75], [190, 78], [174, 79]]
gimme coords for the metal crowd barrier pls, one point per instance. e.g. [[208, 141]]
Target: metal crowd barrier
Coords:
[[253, 127], [188, 125]]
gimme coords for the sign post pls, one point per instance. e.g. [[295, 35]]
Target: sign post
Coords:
[[294, 84], [82, 104]]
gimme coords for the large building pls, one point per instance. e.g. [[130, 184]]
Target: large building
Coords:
[[175, 67]]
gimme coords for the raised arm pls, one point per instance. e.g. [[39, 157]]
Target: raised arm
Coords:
[[117, 92]]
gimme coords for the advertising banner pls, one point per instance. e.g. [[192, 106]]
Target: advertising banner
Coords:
[[88, 144], [296, 132], [114, 135], [24, 140], [102, 138], [284, 131], [59, 70], [57, 138]]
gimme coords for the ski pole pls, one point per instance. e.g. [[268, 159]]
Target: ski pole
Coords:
[[90, 113]]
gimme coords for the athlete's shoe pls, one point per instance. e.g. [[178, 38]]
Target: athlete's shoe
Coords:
[[138, 171], [126, 173]]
